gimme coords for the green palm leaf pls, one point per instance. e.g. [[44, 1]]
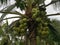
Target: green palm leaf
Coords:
[[1, 31], [54, 33]]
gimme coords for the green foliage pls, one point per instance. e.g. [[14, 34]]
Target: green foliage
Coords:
[[21, 4], [39, 1], [3, 1], [56, 24], [5, 40], [1, 31]]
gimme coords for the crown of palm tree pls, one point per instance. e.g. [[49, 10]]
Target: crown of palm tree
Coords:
[[23, 4]]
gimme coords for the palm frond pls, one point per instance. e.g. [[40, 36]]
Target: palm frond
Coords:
[[8, 9], [12, 17], [12, 24], [1, 31], [52, 2], [56, 4], [3, 1], [55, 0], [53, 14], [52, 29], [54, 33]]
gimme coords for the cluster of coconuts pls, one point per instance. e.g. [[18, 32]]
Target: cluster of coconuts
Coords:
[[22, 26], [39, 17], [42, 21]]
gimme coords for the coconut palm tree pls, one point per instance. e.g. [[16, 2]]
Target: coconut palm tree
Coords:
[[34, 20]]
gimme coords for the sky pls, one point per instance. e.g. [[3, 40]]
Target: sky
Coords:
[[49, 10]]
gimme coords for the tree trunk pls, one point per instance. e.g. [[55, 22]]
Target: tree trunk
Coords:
[[32, 35], [26, 40], [33, 41], [33, 38], [47, 43], [32, 32]]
